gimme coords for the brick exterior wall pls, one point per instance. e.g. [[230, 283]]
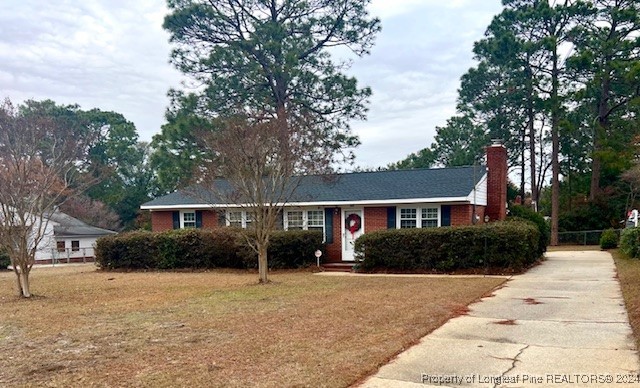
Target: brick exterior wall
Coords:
[[462, 215], [496, 182], [375, 218], [161, 221], [210, 219]]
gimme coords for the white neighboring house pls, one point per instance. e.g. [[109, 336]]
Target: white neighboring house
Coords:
[[67, 239]]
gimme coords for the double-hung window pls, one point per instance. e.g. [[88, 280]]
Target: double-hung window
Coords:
[[294, 220], [188, 219], [429, 217], [304, 220], [419, 217], [239, 219], [408, 218], [315, 220]]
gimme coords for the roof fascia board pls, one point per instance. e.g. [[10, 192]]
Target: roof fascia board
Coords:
[[317, 203]]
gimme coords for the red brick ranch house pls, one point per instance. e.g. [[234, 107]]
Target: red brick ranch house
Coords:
[[349, 205]]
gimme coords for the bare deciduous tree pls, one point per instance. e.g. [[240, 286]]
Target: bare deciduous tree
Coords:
[[262, 163], [40, 164], [93, 212]]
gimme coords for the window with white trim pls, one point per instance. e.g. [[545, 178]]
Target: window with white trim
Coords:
[[239, 219], [429, 217], [408, 218], [294, 220], [315, 220], [419, 217], [304, 220], [188, 219]]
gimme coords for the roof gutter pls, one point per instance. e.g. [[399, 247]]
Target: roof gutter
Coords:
[[461, 200]]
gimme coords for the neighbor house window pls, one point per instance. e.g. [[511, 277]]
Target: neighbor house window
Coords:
[[60, 245], [419, 217], [239, 218], [75, 245], [188, 219]]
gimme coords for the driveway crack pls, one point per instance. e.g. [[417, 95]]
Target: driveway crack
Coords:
[[513, 364]]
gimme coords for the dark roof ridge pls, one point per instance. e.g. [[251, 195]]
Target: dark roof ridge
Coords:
[[480, 166]]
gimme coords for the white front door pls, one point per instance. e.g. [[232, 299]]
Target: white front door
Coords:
[[352, 228]]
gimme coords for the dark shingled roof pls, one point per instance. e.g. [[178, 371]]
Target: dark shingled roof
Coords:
[[69, 226], [452, 182]]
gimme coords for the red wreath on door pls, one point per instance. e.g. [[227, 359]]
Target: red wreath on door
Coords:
[[353, 223]]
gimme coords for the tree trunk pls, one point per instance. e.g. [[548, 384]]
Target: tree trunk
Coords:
[[523, 166], [599, 133], [18, 283], [24, 281], [263, 267], [555, 140], [532, 140]]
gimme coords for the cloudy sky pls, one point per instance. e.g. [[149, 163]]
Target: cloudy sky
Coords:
[[113, 55]]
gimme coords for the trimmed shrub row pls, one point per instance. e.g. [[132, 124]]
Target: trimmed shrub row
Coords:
[[525, 213], [630, 242], [512, 245], [201, 248]]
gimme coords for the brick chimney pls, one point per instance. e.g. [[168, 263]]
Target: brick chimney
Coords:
[[496, 181]]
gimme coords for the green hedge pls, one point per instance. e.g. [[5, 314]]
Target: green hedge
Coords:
[[630, 242], [609, 239], [523, 212], [5, 261], [201, 248], [288, 249], [513, 245]]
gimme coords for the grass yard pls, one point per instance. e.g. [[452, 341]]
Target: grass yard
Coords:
[[629, 276], [561, 248], [215, 329]]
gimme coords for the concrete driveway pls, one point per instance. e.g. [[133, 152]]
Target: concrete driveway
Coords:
[[561, 324]]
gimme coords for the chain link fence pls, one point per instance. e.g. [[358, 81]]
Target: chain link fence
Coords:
[[582, 237]]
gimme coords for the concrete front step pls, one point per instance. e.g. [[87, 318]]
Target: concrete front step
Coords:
[[338, 267]]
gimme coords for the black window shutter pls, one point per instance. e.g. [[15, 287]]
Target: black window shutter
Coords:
[[328, 225], [198, 218], [280, 220], [445, 212], [222, 218], [176, 220], [391, 217]]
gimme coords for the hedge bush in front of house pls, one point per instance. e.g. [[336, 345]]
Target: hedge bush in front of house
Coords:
[[132, 250], [520, 212], [508, 245], [288, 249], [201, 248]]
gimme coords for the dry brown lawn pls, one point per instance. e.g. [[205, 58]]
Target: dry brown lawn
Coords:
[[215, 329], [629, 276], [561, 248]]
